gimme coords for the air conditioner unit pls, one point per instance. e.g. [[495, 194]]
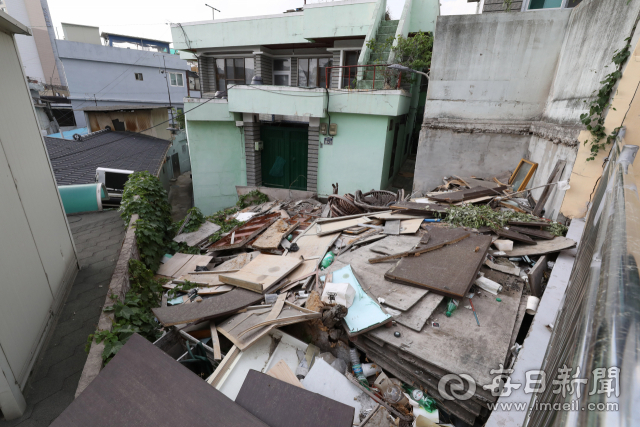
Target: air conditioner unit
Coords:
[[114, 180]]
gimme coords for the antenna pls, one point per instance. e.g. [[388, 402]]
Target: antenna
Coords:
[[213, 9]]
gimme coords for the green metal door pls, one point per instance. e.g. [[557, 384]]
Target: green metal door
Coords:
[[284, 158]]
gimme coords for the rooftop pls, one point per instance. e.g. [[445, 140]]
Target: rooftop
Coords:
[[75, 162]]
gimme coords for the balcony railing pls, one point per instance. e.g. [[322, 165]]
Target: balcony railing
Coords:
[[374, 76]]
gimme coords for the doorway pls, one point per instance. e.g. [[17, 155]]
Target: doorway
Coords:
[[284, 157]]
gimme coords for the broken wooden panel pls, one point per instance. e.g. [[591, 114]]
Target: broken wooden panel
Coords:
[[536, 275], [210, 308], [175, 263], [192, 263], [416, 317], [262, 273], [279, 404], [472, 193], [449, 271], [555, 175], [130, 391], [199, 236], [241, 235], [435, 238], [392, 227], [515, 236], [530, 231], [530, 224], [271, 238], [418, 208], [558, 244], [244, 329], [325, 228]]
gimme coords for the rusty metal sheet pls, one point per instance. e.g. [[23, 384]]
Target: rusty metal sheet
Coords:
[[449, 271], [245, 233]]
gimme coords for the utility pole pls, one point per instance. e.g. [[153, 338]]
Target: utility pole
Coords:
[[166, 78], [213, 13]]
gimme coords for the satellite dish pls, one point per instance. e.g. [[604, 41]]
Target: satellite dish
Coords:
[[77, 137]]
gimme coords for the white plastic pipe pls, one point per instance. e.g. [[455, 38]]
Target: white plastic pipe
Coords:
[[488, 285]]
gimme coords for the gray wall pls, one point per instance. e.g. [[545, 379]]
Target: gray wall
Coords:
[[109, 73], [494, 67]]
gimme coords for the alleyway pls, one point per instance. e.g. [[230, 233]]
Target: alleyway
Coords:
[[52, 385], [181, 196]]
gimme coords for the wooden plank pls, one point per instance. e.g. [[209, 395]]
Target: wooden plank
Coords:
[[190, 266], [536, 274], [224, 366], [392, 227], [543, 247], [271, 238], [245, 233], [472, 193], [215, 341], [262, 273], [236, 263], [174, 264], [130, 391], [554, 177], [280, 404], [530, 231], [416, 317], [410, 226], [530, 224], [210, 308], [277, 307], [419, 208], [515, 236], [449, 271], [334, 227], [283, 372], [436, 238]]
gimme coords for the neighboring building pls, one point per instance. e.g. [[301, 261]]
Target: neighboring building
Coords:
[[113, 76], [297, 56], [526, 5], [38, 259], [148, 119], [38, 53], [75, 162]]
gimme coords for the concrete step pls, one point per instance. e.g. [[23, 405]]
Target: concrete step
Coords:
[[384, 32], [392, 23], [381, 57]]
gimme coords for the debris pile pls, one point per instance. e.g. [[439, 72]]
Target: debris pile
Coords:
[[358, 311]]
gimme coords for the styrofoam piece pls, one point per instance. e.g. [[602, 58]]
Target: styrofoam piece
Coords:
[[503, 245], [328, 382], [343, 292], [260, 358], [245, 216], [488, 285]]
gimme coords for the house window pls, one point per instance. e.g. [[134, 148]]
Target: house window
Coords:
[[176, 79], [234, 71], [281, 72], [139, 76], [349, 74], [550, 4], [312, 72]]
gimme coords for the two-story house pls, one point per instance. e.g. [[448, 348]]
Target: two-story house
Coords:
[[294, 100]]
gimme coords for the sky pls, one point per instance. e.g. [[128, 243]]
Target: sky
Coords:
[[150, 18]]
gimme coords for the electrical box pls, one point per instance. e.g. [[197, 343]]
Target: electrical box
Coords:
[[323, 128], [328, 140], [333, 129], [239, 123], [259, 145]]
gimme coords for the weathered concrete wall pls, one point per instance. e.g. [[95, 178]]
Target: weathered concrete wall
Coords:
[[494, 67], [443, 152], [596, 29]]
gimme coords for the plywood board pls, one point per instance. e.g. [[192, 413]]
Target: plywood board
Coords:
[[396, 295], [449, 271], [472, 193], [410, 226], [199, 236], [210, 308], [536, 274], [129, 391], [530, 231], [280, 404], [271, 238], [435, 238], [238, 262], [243, 234], [515, 236], [215, 341], [334, 227], [283, 372], [262, 273], [416, 317], [247, 328], [543, 247], [175, 263], [392, 215], [194, 261], [392, 227]]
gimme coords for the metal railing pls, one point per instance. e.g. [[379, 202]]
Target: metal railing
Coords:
[[350, 75], [597, 330]]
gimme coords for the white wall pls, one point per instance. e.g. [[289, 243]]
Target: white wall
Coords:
[[38, 261], [26, 44]]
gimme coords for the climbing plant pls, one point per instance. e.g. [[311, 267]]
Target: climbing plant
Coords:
[[414, 52], [594, 119]]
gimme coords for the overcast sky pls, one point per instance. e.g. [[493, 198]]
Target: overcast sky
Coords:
[[149, 18]]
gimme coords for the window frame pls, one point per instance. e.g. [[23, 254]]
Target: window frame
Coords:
[[319, 75], [225, 77], [138, 79], [563, 5], [176, 74], [275, 73]]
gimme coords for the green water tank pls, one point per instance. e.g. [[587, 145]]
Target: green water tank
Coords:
[[83, 197]]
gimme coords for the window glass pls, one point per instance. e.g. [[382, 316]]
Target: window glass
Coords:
[[173, 79], [221, 82], [249, 70], [281, 64], [303, 72], [229, 69], [323, 63], [281, 80], [179, 78], [544, 4], [313, 72], [239, 69]]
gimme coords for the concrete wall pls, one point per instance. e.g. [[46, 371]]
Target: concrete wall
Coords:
[[217, 163], [81, 33], [423, 15], [494, 67], [596, 29], [443, 152], [338, 18], [26, 44], [37, 256]]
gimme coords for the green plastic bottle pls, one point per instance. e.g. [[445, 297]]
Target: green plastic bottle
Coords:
[[327, 260], [427, 403], [451, 306]]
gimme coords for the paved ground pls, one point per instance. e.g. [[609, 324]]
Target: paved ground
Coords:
[[181, 196], [52, 385]]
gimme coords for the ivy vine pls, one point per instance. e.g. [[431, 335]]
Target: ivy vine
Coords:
[[594, 119]]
